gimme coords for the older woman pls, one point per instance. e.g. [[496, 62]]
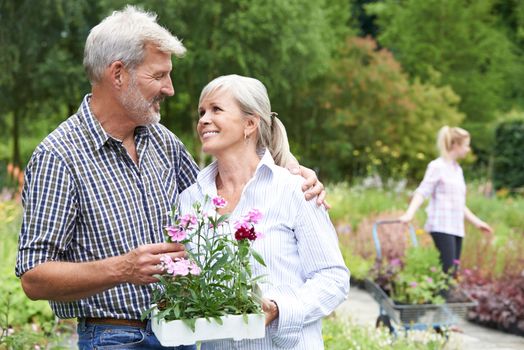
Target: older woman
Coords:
[[305, 270]]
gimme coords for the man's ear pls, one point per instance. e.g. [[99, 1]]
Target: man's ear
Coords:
[[116, 71]]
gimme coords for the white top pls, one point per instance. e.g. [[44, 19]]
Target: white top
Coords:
[[305, 270], [444, 183]]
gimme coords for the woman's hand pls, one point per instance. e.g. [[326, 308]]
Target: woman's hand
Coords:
[[270, 308], [407, 217], [484, 227]]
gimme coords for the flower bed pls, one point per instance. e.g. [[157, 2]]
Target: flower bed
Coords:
[[500, 303]]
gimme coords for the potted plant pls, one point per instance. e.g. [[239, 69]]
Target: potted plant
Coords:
[[416, 279], [211, 294], [415, 288]]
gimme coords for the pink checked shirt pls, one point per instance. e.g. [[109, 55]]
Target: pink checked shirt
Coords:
[[444, 183]]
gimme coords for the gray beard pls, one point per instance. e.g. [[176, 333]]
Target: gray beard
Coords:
[[137, 107]]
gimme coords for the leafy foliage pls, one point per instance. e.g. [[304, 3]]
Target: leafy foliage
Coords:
[[416, 279], [23, 323], [376, 120], [508, 169], [42, 66], [500, 302], [462, 40]]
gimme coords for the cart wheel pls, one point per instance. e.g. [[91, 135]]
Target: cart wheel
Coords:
[[384, 321]]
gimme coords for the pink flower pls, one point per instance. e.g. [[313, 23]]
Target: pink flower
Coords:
[[429, 280], [433, 269], [413, 284], [194, 269], [176, 233], [395, 262], [242, 224], [219, 202], [188, 221], [254, 216], [179, 268], [456, 262], [165, 259]]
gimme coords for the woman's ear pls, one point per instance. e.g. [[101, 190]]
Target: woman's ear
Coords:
[[252, 125]]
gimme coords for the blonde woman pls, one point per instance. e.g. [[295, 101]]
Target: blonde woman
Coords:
[[304, 267], [444, 184]]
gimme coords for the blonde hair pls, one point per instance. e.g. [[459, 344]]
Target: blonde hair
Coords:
[[450, 136], [252, 98], [123, 36]]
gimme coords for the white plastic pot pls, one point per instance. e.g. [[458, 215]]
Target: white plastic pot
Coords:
[[174, 333]]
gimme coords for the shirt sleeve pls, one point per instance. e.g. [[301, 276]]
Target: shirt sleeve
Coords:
[[50, 207], [430, 181], [327, 277]]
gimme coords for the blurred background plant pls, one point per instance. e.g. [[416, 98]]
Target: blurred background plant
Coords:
[[343, 334], [24, 324]]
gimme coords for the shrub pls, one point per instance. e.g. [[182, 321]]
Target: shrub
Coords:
[[372, 115], [500, 302], [509, 156]]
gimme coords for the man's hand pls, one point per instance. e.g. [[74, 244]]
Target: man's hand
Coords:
[[139, 265], [312, 187]]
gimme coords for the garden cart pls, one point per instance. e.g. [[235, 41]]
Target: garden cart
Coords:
[[412, 316]]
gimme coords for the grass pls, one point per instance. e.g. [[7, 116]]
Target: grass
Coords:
[[352, 204]]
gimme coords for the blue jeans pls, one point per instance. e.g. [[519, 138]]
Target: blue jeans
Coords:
[[100, 337]]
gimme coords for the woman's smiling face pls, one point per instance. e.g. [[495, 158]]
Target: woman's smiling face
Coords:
[[221, 123]]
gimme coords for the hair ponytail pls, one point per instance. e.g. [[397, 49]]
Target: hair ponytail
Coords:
[[279, 145], [448, 137]]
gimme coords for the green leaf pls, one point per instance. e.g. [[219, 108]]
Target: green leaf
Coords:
[[258, 257]]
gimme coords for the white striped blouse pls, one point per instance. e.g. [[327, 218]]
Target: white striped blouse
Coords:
[[305, 271]]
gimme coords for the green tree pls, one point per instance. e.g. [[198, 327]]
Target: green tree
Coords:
[[39, 60], [376, 120], [462, 40]]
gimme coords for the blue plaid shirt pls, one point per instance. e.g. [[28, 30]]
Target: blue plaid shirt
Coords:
[[85, 199]]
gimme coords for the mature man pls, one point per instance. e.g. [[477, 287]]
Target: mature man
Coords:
[[98, 188]]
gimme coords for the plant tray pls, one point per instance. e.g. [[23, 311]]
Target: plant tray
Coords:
[[174, 333], [427, 314]]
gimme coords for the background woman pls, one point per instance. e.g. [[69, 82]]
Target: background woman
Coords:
[[444, 183], [305, 270]]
